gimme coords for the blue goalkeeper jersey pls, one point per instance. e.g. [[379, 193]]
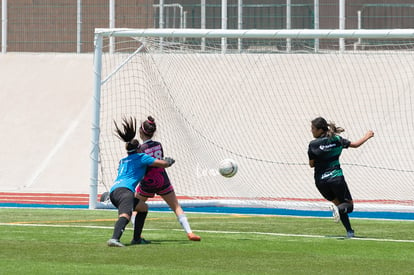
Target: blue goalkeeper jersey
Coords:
[[131, 170], [325, 152]]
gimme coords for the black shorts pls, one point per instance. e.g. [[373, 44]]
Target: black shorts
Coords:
[[334, 188], [123, 199]]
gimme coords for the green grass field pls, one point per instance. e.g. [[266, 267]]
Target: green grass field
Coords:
[[49, 241]]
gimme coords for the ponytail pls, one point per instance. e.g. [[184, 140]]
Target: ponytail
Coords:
[[333, 129], [127, 134], [330, 129]]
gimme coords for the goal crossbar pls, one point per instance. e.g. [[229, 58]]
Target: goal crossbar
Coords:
[[292, 33]]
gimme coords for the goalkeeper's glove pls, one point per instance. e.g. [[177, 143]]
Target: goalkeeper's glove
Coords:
[[170, 161]]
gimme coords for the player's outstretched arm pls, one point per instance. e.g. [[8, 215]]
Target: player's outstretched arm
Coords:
[[356, 144], [163, 163]]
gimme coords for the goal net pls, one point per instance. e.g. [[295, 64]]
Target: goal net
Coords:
[[250, 95]]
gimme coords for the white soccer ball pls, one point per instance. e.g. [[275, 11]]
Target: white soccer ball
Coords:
[[228, 168]]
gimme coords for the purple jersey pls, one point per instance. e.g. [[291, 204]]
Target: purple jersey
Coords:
[[152, 148], [156, 179]]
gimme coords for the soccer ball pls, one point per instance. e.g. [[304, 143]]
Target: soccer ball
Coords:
[[228, 168]]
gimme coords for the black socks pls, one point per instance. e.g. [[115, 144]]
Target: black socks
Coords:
[[139, 224], [346, 207], [120, 227], [345, 221]]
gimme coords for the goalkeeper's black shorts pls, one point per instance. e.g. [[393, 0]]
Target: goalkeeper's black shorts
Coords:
[[123, 199]]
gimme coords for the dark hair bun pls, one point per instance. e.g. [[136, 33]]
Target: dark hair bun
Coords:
[[150, 118]]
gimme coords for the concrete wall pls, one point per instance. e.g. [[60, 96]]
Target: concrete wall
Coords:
[[45, 114]]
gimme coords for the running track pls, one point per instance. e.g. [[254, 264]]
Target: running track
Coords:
[[44, 200], [81, 201]]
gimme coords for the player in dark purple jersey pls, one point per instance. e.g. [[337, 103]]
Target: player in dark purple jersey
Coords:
[[131, 170], [324, 152], [156, 181]]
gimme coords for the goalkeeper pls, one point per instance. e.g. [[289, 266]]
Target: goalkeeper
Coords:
[[324, 152], [131, 170]]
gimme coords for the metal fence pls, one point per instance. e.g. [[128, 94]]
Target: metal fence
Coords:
[[68, 25]]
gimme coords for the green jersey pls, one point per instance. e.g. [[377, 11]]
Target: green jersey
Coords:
[[325, 152]]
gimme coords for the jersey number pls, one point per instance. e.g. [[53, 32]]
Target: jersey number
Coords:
[[156, 154]]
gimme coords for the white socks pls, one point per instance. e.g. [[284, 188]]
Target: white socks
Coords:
[[182, 219], [133, 219]]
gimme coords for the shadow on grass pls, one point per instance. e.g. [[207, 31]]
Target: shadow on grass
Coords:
[[158, 242]]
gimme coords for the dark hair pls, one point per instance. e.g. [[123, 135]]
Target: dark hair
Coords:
[[330, 128], [148, 127], [128, 134]]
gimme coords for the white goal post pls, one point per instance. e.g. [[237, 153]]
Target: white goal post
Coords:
[[250, 95]]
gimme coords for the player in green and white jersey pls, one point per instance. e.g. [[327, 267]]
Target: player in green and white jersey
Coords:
[[324, 152]]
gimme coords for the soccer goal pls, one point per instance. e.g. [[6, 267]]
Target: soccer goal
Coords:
[[250, 95]]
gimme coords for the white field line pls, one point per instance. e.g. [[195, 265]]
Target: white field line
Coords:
[[217, 232]]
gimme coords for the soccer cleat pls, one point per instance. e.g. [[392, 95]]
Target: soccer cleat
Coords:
[[350, 234], [335, 212], [114, 243], [140, 241], [193, 237]]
